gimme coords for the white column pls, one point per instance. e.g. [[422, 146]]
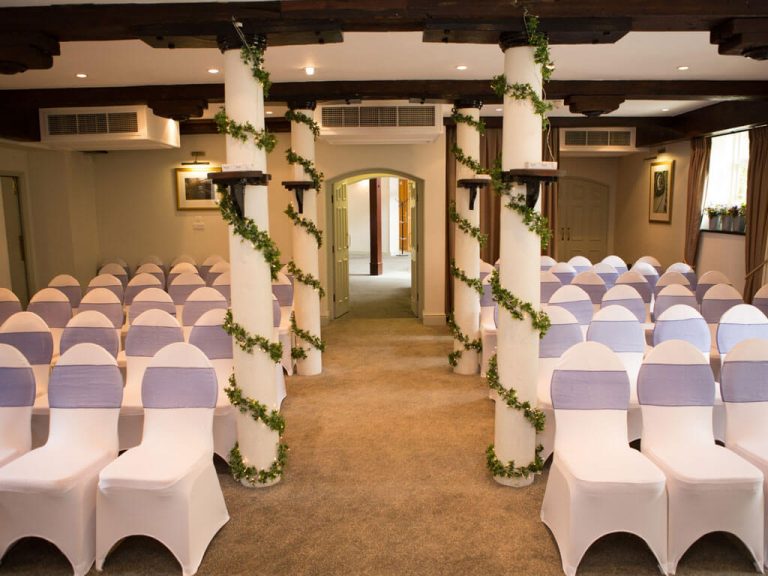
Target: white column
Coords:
[[466, 301], [517, 341], [306, 301], [251, 277]]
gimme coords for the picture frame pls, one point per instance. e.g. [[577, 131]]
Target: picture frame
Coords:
[[194, 190], [660, 192]]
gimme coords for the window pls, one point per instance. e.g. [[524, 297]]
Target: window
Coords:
[[727, 181]]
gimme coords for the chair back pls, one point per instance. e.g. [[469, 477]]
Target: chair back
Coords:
[[638, 282], [9, 304], [30, 335], [199, 302], [182, 286], [208, 334], [116, 260], [717, 301], [760, 299], [647, 271], [140, 282], [154, 270], [222, 284], [682, 322], [180, 268], [626, 296], [205, 267], [219, 268], [707, 280], [652, 261], [685, 270], [669, 278], [51, 305], [672, 295], [277, 314], [576, 301], [283, 290], [742, 322], [546, 262], [487, 304], [108, 282], [744, 390], [607, 273], [17, 396], [485, 269], [564, 272], [92, 327], [592, 284], [106, 302], [564, 332], [184, 259], [580, 263], [618, 329], [617, 262], [152, 259], [117, 271], [70, 286], [548, 285], [151, 331], [151, 299]]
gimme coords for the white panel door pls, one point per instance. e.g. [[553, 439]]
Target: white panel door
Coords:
[[340, 251], [582, 209], [414, 247]]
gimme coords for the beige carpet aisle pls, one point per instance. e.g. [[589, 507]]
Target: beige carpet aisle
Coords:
[[386, 476]]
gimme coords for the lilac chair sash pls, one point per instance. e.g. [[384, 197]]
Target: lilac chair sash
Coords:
[[225, 290], [564, 277], [180, 292], [609, 278], [55, 314], [133, 290], [193, 309], [595, 291], [622, 336], [283, 293], [676, 385], [693, 330], [486, 299], [177, 387], [105, 337], [85, 386], [590, 390], [546, 289], [634, 305], [116, 289], [204, 270], [558, 339], [581, 309], [713, 308], [701, 289], [744, 381], [37, 347], [112, 310], [147, 340], [8, 308], [691, 276], [211, 276], [643, 289], [73, 293], [664, 301], [580, 269], [143, 305], [276, 313], [728, 335], [761, 304], [483, 274], [651, 280], [215, 343], [17, 386]]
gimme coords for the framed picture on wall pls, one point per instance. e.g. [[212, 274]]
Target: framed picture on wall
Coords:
[[660, 194], [194, 190]]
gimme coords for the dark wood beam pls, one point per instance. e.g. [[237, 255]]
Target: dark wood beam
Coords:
[[722, 117], [374, 200], [660, 89]]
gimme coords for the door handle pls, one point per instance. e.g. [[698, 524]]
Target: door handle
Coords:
[[569, 233], [562, 233]]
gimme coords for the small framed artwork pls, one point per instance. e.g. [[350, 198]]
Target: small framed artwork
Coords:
[[660, 195], [194, 190]]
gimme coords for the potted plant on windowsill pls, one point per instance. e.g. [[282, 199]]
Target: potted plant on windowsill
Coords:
[[715, 217], [740, 220]]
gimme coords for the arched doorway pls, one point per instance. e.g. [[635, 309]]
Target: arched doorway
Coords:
[[375, 233]]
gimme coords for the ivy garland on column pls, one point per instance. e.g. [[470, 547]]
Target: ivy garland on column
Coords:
[[299, 352], [467, 228], [253, 56], [537, 224]]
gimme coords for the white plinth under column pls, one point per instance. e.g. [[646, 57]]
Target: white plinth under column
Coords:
[[517, 341], [251, 277]]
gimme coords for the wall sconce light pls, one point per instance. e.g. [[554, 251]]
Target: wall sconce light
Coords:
[[196, 154]]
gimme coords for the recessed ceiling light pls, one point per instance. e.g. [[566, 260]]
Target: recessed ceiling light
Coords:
[[213, 70], [309, 70], [499, 109], [461, 67], [268, 112], [682, 68], [665, 109], [81, 75]]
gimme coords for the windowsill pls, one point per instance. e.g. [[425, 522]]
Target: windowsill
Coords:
[[731, 232]]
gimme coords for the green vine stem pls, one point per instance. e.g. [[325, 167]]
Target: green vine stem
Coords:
[[463, 339], [252, 56], [261, 138], [533, 415], [520, 91], [517, 308], [305, 278], [301, 118], [305, 223], [458, 117], [316, 342], [467, 161], [247, 342], [252, 475], [258, 411], [465, 225], [309, 168], [475, 283], [509, 470], [538, 40], [247, 230]]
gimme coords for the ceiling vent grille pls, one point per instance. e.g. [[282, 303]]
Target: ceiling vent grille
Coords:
[[380, 124], [597, 141]]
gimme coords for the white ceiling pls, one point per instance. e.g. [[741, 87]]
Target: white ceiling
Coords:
[[402, 56]]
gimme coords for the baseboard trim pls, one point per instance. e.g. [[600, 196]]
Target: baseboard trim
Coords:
[[433, 319]]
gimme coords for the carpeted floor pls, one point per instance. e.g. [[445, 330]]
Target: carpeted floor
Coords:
[[386, 476]]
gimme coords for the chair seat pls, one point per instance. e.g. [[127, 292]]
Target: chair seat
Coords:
[[753, 449], [7, 454], [613, 471], [52, 469], [706, 466], [153, 467]]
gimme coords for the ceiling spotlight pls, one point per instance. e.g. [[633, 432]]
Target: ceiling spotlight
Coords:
[[499, 109], [682, 68], [81, 75], [461, 67], [309, 70], [268, 112], [213, 70], [665, 109]]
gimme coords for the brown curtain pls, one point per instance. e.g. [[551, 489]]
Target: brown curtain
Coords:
[[757, 210], [450, 196], [697, 178], [550, 153]]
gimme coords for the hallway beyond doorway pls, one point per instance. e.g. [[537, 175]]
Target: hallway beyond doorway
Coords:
[[384, 296]]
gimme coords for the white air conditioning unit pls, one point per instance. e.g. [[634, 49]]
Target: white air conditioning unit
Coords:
[[597, 141], [107, 128], [381, 123]]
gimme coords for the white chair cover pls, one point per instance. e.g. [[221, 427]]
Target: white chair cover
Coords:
[[652, 261], [638, 282], [184, 259], [199, 302], [580, 263], [485, 269], [707, 280], [181, 268], [90, 326], [222, 284], [760, 299], [576, 301], [30, 335], [141, 281], [167, 488], [686, 271], [546, 262], [669, 278], [742, 322], [717, 301], [617, 262], [564, 272], [597, 484], [626, 296], [681, 322], [54, 308], [70, 286], [50, 492], [181, 286], [151, 299], [17, 396], [607, 273], [9, 304], [218, 269], [155, 270], [672, 295], [282, 289], [205, 267], [488, 324], [116, 260], [709, 487], [106, 302], [118, 271], [152, 259], [647, 271], [548, 285], [592, 284]]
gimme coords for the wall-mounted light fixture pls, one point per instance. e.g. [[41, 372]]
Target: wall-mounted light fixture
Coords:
[[196, 154]]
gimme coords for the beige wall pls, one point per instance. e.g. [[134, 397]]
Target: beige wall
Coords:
[[635, 236]]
